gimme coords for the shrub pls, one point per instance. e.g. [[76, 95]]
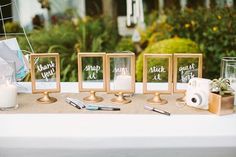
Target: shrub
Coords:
[[125, 44], [13, 27], [155, 32], [174, 45], [60, 39], [214, 30]]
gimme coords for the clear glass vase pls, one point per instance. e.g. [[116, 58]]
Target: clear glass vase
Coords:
[[8, 89], [228, 70]]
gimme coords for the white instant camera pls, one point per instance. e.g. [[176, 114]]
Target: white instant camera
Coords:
[[197, 94]]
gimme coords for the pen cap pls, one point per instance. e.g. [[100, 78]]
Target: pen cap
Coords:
[[148, 107], [77, 102]]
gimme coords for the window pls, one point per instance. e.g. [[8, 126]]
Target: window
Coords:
[[94, 7], [6, 12]]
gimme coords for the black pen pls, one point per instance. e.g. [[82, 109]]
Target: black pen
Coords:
[[109, 108], [72, 103], [156, 110], [105, 108]]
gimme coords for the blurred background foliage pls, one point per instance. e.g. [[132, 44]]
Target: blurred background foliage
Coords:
[[214, 31], [68, 37], [211, 32]]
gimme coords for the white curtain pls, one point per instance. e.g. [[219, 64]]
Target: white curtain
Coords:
[[27, 10]]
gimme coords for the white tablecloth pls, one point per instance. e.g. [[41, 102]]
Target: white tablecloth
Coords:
[[87, 135]]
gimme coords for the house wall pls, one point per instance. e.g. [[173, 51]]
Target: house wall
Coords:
[[25, 10]]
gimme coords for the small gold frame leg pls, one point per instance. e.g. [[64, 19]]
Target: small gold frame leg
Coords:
[[157, 100], [93, 97], [46, 99], [121, 99], [182, 99]]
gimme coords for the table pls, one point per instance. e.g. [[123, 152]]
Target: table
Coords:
[[115, 135]]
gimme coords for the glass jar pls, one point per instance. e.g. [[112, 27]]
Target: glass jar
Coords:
[[8, 89], [228, 70]]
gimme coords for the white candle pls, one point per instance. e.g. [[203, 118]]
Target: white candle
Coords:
[[8, 96], [123, 82]]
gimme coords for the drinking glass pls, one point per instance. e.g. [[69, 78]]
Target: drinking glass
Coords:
[[228, 65]]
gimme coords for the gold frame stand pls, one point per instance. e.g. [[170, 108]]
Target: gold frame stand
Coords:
[[46, 99], [121, 99], [93, 98], [181, 100], [157, 99]]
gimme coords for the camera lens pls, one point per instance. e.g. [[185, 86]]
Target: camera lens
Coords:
[[194, 100]]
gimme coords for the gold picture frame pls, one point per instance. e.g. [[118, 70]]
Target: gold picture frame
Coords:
[[92, 97], [46, 98], [175, 76], [156, 99], [120, 98]]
